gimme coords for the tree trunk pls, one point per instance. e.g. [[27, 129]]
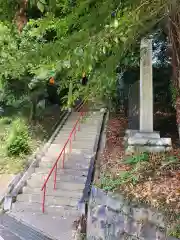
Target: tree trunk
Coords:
[[20, 17], [178, 113], [174, 39]]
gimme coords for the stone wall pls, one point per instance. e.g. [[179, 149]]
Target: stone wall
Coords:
[[111, 217]]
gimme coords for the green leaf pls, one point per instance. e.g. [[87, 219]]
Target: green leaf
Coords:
[[40, 5], [43, 2]]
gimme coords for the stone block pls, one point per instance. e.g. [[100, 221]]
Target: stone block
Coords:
[[140, 214], [156, 218], [155, 149], [131, 132], [115, 202], [147, 135], [149, 141], [148, 231], [160, 235], [131, 227], [7, 203]]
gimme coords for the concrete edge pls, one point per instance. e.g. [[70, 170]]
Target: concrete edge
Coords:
[[82, 204], [87, 187], [20, 179]]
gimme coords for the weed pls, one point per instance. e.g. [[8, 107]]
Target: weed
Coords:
[[175, 232], [134, 159], [5, 121], [109, 184], [18, 140]]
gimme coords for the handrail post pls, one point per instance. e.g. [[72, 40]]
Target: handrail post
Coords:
[[70, 144], [55, 176], [79, 126], [44, 196], [74, 133], [64, 152]]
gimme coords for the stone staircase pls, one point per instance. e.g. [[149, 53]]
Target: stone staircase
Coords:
[[60, 204]]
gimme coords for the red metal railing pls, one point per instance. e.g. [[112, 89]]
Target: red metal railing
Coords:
[[73, 132]]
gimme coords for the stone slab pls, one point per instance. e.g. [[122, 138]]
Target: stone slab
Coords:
[[6, 234], [149, 141], [155, 149], [147, 135], [10, 229], [52, 192], [37, 208], [54, 227], [61, 177], [50, 200], [64, 186]]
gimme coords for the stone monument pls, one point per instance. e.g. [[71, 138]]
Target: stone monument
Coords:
[[145, 139], [133, 106]]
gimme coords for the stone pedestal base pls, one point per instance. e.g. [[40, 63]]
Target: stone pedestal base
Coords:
[[146, 142]]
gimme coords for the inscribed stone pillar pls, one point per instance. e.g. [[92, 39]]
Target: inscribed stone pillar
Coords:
[[146, 86]]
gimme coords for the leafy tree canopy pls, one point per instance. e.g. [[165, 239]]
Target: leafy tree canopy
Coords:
[[68, 37]]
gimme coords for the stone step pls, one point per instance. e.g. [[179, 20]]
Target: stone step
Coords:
[[82, 166], [49, 209], [68, 157], [53, 155], [71, 157], [79, 140], [91, 122], [64, 186], [76, 148], [50, 200], [145, 141], [91, 129], [81, 136], [60, 177], [73, 172], [54, 227], [50, 160], [69, 163], [56, 148], [11, 229], [52, 192]]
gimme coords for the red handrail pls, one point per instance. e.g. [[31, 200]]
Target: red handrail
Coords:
[[62, 154]]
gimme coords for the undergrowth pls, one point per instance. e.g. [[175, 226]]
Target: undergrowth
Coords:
[[108, 183], [18, 141]]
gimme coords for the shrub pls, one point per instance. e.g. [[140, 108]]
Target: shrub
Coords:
[[5, 121], [18, 139]]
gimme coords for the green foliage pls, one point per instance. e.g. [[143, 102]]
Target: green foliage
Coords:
[[5, 121], [18, 139], [75, 36], [110, 184], [70, 93], [174, 94], [175, 232], [134, 159]]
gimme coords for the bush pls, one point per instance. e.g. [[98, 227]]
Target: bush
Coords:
[[18, 139], [5, 121]]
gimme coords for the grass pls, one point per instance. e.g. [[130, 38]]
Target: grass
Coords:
[[39, 131], [153, 179]]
